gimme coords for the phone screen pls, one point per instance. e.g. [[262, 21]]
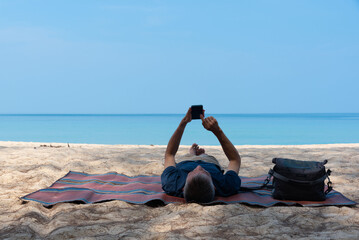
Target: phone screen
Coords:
[[197, 110]]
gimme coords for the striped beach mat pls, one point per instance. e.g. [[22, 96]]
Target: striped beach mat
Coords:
[[94, 188]]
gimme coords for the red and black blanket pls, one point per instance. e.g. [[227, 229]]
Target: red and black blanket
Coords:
[[94, 188]]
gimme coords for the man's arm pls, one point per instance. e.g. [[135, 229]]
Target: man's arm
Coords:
[[173, 144], [231, 152]]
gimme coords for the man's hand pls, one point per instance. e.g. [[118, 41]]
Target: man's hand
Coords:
[[211, 124], [188, 117]]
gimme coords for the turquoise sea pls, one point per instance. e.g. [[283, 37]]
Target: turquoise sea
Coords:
[[252, 129]]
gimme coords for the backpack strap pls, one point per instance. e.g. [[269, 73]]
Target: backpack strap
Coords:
[[329, 183], [326, 175], [264, 185], [288, 180]]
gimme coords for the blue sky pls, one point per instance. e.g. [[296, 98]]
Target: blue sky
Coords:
[[163, 56]]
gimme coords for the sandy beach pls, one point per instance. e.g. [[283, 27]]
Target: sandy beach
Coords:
[[27, 167]]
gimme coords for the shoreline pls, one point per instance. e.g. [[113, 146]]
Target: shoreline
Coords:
[[323, 145]]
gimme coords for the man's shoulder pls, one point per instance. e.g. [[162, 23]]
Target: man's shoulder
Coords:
[[231, 173], [173, 181], [169, 169], [227, 184]]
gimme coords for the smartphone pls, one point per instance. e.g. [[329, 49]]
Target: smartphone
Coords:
[[197, 110]]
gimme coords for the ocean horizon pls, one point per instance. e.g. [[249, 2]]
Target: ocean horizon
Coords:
[[156, 129]]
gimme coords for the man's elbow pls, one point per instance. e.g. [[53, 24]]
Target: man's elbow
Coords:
[[169, 154], [238, 161], [237, 157]]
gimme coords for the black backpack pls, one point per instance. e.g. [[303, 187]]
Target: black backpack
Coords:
[[297, 180]]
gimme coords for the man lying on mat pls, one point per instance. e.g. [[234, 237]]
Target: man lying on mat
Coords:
[[198, 177]]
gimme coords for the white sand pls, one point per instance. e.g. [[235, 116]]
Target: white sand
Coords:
[[26, 167]]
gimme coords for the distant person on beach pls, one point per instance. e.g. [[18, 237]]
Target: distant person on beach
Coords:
[[198, 177]]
